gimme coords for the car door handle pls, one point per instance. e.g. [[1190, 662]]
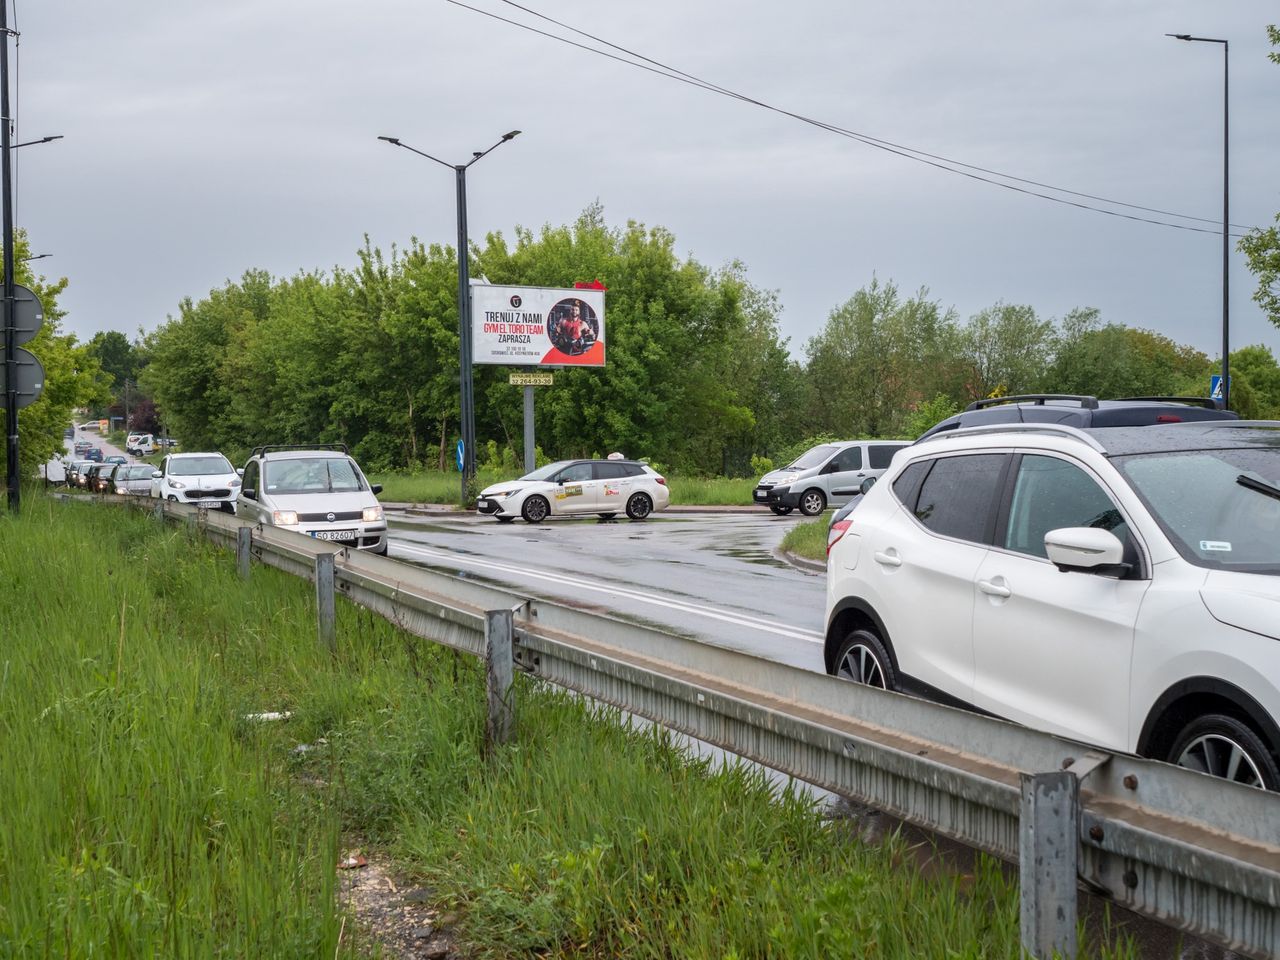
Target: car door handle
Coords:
[[888, 558], [993, 589]]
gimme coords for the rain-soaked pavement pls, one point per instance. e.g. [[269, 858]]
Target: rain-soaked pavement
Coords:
[[712, 577]]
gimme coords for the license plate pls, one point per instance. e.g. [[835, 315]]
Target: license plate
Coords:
[[334, 534], [485, 504], [209, 503], [762, 494]]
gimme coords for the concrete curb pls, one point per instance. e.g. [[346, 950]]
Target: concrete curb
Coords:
[[802, 563]]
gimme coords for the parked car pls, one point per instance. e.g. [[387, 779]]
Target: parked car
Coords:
[[94, 454], [827, 474], [574, 487], [1082, 411], [1119, 586], [139, 444], [133, 479], [316, 490], [202, 479]]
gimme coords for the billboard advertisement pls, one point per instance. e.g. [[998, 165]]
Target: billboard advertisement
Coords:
[[537, 326]]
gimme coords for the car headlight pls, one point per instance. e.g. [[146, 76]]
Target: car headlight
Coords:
[[285, 518], [234, 483], [176, 485], [372, 514], [507, 494]]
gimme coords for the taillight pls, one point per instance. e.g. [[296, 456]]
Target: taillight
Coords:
[[837, 531], [1168, 418], [661, 480]]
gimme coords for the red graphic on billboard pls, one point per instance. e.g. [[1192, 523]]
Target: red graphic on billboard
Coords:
[[574, 331]]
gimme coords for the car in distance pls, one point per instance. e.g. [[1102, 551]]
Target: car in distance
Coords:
[[201, 479], [76, 470], [319, 491], [133, 479], [578, 487], [828, 474], [94, 454], [100, 477], [1118, 586]]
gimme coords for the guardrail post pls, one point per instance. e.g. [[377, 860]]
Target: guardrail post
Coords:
[[499, 677], [157, 511], [1048, 855], [324, 601], [244, 543]]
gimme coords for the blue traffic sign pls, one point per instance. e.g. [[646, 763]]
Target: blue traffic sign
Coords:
[[1215, 386], [461, 450]]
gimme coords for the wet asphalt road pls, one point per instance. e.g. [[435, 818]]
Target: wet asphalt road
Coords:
[[712, 577]]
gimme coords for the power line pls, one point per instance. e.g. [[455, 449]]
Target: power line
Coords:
[[909, 153]]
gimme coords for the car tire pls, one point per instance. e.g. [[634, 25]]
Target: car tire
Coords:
[[863, 659], [386, 545], [780, 510], [505, 519], [607, 516], [812, 502], [535, 509], [639, 506], [1223, 746], [173, 499]]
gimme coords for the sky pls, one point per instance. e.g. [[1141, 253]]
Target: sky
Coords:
[[205, 139]]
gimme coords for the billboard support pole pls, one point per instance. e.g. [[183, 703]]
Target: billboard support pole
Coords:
[[529, 465], [464, 342], [10, 335]]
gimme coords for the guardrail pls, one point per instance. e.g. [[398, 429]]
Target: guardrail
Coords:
[[1197, 853]]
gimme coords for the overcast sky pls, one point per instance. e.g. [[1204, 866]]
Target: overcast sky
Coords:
[[204, 139]]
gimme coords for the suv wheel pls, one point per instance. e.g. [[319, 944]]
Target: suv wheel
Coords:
[[863, 659], [813, 502], [1224, 747], [535, 509]]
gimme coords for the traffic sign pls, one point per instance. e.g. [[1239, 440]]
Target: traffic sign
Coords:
[[29, 379], [28, 315], [530, 379], [1215, 386], [461, 450]]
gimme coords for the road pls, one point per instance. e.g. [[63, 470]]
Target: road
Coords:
[[711, 577]]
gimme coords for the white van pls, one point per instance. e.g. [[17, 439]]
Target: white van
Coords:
[[140, 444]]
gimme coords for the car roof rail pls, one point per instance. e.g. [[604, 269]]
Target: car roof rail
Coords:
[[1207, 402], [1086, 403], [1057, 429], [274, 447]]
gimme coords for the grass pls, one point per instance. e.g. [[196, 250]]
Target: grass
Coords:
[[434, 486], [145, 817], [808, 538]]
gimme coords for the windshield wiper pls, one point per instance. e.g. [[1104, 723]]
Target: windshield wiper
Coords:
[[1261, 486]]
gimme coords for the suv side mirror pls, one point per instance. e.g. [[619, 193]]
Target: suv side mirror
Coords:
[[1086, 550], [157, 475], [376, 489], [239, 472], [249, 492], [831, 467]]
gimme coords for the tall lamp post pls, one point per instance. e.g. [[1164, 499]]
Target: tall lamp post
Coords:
[[1226, 241], [464, 304]]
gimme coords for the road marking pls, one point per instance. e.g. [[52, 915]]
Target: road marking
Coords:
[[741, 619]]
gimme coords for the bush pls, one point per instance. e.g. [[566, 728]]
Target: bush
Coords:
[[761, 465]]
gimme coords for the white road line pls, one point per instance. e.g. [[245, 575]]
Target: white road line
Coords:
[[741, 619]]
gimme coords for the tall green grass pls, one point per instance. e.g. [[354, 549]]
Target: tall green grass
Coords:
[[808, 538], [145, 816]]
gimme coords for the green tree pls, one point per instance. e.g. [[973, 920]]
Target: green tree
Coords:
[[1111, 360], [1006, 350], [1261, 246]]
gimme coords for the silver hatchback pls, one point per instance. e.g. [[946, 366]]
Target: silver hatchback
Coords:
[[828, 474]]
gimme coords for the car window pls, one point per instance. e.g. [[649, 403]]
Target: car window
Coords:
[[906, 486], [199, 466], [879, 455], [251, 475], [1049, 494], [312, 475], [812, 458], [610, 471], [575, 474], [957, 497], [848, 459], [633, 470]]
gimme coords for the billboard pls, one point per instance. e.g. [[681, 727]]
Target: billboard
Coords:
[[537, 326]]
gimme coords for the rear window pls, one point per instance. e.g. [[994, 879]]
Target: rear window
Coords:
[[879, 455], [957, 498]]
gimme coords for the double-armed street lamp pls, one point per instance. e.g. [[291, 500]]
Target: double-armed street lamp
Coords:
[[1226, 241], [464, 305]]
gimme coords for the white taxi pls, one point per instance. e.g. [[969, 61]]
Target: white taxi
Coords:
[[576, 487]]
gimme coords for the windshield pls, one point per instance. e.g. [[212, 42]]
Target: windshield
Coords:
[[543, 472], [198, 466], [1214, 505], [814, 457], [312, 475]]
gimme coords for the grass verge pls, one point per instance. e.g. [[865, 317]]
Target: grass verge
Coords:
[[145, 816], [808, 538]]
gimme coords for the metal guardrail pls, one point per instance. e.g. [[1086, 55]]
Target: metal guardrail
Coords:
[[1197, 853]]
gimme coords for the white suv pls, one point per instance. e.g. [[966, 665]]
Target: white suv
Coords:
[[202, 479], [1115, 585], [318, 491]]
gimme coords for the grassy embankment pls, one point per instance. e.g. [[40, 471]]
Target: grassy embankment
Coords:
[[144, 816], [808, 538], [433, 486]]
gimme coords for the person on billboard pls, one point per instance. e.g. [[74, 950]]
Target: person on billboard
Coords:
[[573, 330]]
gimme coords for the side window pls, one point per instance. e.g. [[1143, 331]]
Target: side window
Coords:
[[847, 459], [958, 496], [576, 473], [251, 476], [164, 466], [906, 486], [632, 470], [609, 471], [1051, 493], [879, 455]]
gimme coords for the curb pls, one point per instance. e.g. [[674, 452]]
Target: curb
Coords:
[[802, 563]]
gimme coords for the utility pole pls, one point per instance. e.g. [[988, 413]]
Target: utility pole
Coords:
[[10, 334]]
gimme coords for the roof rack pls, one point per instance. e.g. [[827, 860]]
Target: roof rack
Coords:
[[273, 447], [1207, 402], [1061, 429], [1086, 403]]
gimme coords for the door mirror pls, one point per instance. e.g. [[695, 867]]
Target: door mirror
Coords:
[[239, 472], [249, 492], [376, 489], [157, 475], [831, 467], [1086, 550], [867, 484]]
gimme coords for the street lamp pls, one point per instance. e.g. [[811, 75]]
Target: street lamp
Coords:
[[38, 256], [464, 302], [1226, 242]]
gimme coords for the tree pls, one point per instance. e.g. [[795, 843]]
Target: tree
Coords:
[[1110, 361], [1261, 247], [1006, 350]]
